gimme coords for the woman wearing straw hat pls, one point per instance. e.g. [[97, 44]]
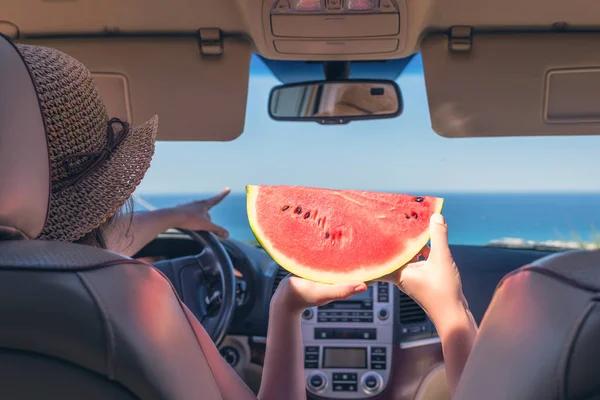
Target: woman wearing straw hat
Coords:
[[96, 164]]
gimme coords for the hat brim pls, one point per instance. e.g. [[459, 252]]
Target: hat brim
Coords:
[[79, 209]]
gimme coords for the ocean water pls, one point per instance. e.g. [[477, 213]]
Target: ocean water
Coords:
[[472, 218]]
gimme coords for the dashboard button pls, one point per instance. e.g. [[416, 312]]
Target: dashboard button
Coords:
[[377, 357], [311, 349], [368, 334], [324, 333], [378, 350], [344, 387], [230, 355], [383, 314], [311, 357], [372, 382], [308, 314], [377, 365], [311, 364], [345, 333], [317, 381]]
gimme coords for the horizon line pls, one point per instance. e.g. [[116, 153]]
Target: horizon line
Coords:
[[507, 192]]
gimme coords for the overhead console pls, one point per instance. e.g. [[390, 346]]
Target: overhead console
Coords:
[[335, 29]]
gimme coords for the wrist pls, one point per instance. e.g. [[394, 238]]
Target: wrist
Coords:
[[282, 304], [172, 217], [456, 316]]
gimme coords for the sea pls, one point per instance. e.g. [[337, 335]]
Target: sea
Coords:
[[473, 218]]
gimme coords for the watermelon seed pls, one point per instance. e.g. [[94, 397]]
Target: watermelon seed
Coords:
[[319, 221], [285, 208], [327, 235], [418, 199], [307, 215], [415, 215], [298, 210], [407, 216]]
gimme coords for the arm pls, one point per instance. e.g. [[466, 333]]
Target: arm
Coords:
[[457, 330], [436, 286], [229, 383], [283, 373], [145, 226]]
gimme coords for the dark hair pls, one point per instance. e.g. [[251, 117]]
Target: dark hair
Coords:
[[122, 220]]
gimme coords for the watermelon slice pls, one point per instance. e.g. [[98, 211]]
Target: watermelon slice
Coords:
[[335, 236]]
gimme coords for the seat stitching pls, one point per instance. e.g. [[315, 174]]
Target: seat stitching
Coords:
[[550, 274], [110, 337], [570, 349]]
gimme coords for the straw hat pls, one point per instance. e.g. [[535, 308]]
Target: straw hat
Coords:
[[96, 163]]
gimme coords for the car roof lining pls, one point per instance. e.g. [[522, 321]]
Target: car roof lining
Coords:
[[200, 98]]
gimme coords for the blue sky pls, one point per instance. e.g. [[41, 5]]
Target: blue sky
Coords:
[[401, 154]]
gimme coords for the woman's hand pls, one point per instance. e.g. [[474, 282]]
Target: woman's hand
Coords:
[[294, 294], [435, 283], [195, 216]]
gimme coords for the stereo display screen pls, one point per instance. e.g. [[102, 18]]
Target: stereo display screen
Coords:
[[344, 357]]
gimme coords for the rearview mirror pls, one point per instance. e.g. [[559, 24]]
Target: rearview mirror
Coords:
[[335, 102]]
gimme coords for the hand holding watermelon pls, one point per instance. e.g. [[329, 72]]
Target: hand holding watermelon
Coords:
[[296, 294], [435, 283]]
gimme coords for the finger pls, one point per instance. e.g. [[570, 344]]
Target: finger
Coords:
[[217, 230], [439, 238], [216, 199]]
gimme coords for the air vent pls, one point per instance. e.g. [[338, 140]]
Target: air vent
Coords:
[[410, 312], [281, 273]]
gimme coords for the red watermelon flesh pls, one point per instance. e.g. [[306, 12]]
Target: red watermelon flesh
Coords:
[[339, 235]]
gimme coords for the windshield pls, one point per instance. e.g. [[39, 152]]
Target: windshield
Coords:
[[507, 191]]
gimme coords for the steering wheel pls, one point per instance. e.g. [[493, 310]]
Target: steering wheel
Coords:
[[205, 282]]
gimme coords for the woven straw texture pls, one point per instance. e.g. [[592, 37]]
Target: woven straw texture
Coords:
[[76, 122]]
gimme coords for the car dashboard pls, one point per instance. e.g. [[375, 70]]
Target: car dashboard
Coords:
[[378, 344]]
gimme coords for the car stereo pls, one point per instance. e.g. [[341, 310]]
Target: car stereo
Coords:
[[348, 344]]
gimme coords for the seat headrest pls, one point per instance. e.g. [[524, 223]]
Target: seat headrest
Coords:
[[539, 336], [25, 184]]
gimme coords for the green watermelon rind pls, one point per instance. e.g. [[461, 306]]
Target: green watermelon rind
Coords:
[[360, 275]]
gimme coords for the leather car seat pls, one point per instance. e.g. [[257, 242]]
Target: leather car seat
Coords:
[[540, 336], [78, 322]]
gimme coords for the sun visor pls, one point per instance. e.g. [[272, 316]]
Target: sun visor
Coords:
[[195, 97], [485, 85]]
